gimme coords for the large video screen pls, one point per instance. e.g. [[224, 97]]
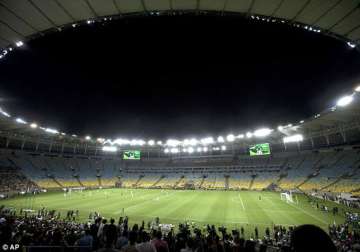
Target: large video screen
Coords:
[[260, 149], [131, 154]]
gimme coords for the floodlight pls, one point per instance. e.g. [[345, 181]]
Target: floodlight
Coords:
[[199, 149], [166, 150], [21, 121], [88, 138], [280, 128], [240, 136], [262, 132], [190, 149], [109, 148], [151, 142], [19, 43], [159, 142], [137, 142], [207, 140], [205, 149], [4, 113], [74, 135], [249, 135], [33, 125], [230, 138], [293, 139], [52, 131], [223, 147], [344, 101], [100, 140], [73, 25], [63, 134], [173, 142], [302, 121], [357, 89], [174, 150], [184, 150], [220, 139], [351, 45]]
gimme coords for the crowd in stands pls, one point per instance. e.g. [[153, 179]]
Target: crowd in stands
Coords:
[[12, 180], [46, 228]]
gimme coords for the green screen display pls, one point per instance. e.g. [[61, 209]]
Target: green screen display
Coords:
[[131, 154], [260, 149]]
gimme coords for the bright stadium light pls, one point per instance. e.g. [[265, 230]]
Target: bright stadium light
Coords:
[[52, 131], [249, 135], [100, 140], [293, 139], [136, 142], [184, 150], [262, 132], [73, 135], [280, 128], [33, 125], [174, 150], [357, 89], [241, 136], [351, 45], [166, 150], [223, 147], [109, 148], [151, 142], [159, 142], [4, 113], [344, 101], [230, 138], [199, 149], [207, 140], [19, 43], [220, 139], [87, 138], [190, 150], [21, 121], [205, 149], [173, 142], [302, 121], [190, 142]]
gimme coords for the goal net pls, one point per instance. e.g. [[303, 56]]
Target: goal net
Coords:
[[287, 197]]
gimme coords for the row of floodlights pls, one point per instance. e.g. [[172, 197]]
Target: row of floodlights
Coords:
[[260, 133], [298, 25], [175, 150], [9, 49]]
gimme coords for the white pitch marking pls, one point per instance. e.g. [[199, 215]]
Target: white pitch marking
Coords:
[[242, 203]]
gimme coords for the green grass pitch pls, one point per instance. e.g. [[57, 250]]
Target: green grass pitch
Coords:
[[232, 209]]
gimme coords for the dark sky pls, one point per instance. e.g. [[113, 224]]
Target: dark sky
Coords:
[[176, 77]]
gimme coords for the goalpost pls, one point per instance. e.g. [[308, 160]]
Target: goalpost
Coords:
[[287, 196]]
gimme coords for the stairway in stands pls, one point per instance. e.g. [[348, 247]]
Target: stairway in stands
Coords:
[[158, 181], [137, 183], [77, 177], [179, 181], [56, 181], [99, 180], [202, 181], [316, 168], [253, 177]]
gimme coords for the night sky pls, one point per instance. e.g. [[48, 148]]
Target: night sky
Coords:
[[176, 76]]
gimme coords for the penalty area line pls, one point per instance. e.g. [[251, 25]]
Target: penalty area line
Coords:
[[242, 203]]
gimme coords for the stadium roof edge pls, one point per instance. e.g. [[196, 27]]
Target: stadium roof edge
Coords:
[[23, 20]]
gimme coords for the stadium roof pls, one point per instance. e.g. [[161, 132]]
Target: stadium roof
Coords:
[[21, 20]]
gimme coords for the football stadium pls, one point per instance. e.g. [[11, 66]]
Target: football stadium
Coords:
[[293, 185]]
